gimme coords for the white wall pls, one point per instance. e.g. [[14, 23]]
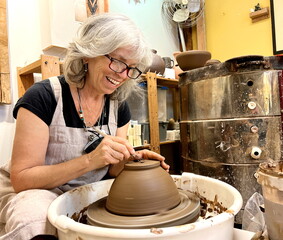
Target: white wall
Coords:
[[25, 46], [148, 16]]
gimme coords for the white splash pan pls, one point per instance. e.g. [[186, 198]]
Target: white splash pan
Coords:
[[219, 227]]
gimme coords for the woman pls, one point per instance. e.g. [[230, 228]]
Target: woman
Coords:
[[56, 145]]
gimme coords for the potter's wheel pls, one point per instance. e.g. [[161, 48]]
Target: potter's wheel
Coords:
[[186, 211], [142, 196]]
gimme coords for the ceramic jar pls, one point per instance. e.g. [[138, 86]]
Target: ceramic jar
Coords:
[[157, 65]]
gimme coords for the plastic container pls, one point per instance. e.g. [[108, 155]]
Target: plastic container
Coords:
[[219, 227], [272, 190], [145, 132], [139, 105], [162, 103]]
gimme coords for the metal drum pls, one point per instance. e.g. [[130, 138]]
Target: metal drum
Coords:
[[231, 120]]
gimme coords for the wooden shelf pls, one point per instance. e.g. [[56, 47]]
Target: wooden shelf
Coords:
[[173, 83], [146, 146], [260, 14], [166, 82], [48, 66], [169, 142], [5, 85], [34, 67], [152, 82]]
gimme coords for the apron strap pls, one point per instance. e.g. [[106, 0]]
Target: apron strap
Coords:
[[58, 118]]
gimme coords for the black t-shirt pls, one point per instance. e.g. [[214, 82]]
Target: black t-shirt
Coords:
[[40, 100]]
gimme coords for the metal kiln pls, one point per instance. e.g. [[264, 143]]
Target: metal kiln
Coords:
[[231, 119]]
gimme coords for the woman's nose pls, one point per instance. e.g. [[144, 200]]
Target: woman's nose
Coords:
[[124, 74]]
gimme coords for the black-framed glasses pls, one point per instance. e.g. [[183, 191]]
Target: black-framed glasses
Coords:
[[119, 67]]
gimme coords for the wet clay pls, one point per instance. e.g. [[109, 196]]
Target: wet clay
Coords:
[[144, 195], [208, 209], [81, 216], [274, 168], [142, 188], [186, 212]]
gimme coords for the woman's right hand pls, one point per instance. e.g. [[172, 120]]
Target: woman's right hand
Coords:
[[112, 150]]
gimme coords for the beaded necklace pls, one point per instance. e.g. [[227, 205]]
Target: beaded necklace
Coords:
[[81, 113]]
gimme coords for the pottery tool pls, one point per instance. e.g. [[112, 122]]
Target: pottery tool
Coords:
[[133, 157]]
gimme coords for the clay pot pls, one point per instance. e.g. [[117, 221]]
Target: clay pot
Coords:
[[177, 69], [142, 188], [176, 53], [212, 62], [157, 65], [169, 63], [192, 59]]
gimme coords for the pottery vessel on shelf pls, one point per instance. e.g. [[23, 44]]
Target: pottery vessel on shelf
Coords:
[[177, 69], [169, 62], [142, 188], [157, 65], [175, 54], [192, 59], [212, 62]]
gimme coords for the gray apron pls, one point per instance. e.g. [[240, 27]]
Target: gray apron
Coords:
[[24, 215]]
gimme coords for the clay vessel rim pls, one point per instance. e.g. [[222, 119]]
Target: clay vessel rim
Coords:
[[194, 52], [141, 164], [148, 183]]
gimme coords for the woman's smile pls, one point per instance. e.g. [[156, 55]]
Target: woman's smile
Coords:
[[114, 82]]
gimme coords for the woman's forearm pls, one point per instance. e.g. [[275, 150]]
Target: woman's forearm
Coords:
[[49, 176]]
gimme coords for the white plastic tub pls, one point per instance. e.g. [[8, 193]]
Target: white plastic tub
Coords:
[[272, 190], [219, 227]]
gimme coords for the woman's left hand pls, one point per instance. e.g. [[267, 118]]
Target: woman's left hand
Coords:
[[146, 154]]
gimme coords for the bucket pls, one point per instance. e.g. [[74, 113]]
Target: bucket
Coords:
[[218, 227], [270, 177]]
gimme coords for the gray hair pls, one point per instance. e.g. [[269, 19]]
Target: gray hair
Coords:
[[100, 35]]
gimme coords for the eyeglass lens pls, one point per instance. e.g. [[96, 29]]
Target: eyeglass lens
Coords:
[[119, 67]]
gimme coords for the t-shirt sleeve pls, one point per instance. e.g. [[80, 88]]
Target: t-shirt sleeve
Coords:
[[124, 114], [40, 100]]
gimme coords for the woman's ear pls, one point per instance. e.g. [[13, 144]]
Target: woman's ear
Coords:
[[85, 60]]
